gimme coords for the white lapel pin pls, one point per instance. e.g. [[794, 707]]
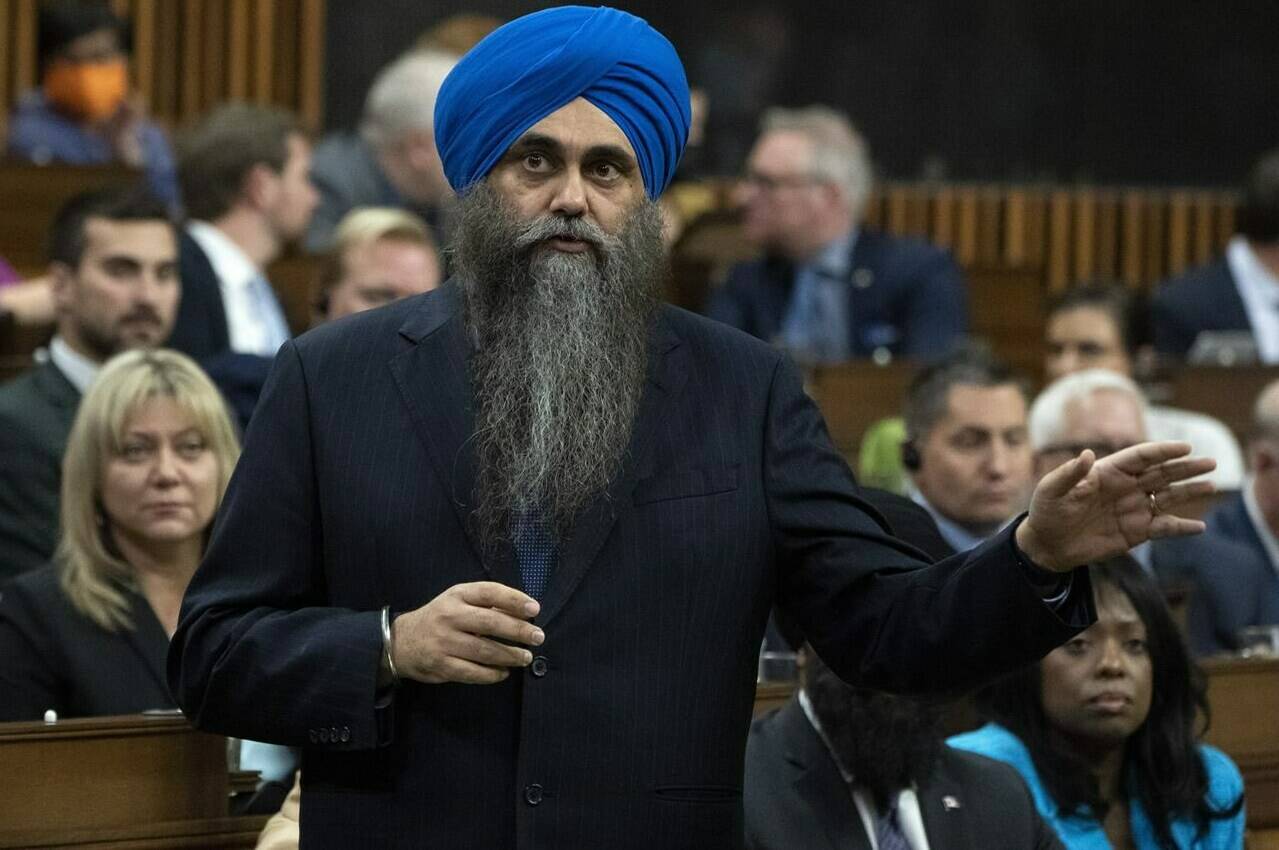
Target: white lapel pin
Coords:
[[948, 803]]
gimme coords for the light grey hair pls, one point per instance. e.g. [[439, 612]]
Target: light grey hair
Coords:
[[840, 154], [1265, 413], [1048, 414], [402, 97]]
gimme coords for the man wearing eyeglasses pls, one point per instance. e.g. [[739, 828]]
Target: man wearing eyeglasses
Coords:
[[1104, 411], [829, 289]]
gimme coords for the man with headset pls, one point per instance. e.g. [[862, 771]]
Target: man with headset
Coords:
[[967, 452]]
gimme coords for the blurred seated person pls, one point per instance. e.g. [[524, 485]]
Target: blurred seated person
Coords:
[[244, 173], [113, 278], [379, 255], [83, 113], [1095, 327], [1231, 585], [966, 451], [1251, 516], [1106, 730], [828, 288], [1236, 292], [392, 161], [843, 767], [146, 464]]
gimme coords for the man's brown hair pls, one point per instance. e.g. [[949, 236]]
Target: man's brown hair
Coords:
[[216, 155]]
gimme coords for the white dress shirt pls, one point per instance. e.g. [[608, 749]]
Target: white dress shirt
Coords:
[[255, 322], [77, 368], [1259, 289], [909, 818], [1259, 523]]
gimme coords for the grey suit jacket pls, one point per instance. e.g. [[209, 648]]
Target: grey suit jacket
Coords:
[[794, 796], [36, 412]]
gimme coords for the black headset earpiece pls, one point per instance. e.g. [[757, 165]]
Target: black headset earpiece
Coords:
[[910, 456]]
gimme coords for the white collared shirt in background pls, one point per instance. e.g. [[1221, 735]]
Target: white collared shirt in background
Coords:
[[1259, 289], [252, 327], [909, 818], [1259, 523], [77, 368]]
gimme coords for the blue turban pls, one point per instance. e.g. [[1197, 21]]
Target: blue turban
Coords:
[[534, 65]]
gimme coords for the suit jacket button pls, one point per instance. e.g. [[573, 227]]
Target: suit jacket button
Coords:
[[533, 794], [334, 735], [324, 736], [346, 734], [540, 666], [315, 739]]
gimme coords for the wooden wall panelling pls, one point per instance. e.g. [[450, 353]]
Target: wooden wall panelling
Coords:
[[237, 55], [1154, 261], [990, 205], [1131, 253], [944, 223], [263, 51], [1203, 211], [144, 47], [1226, 220], [24, 47], [1107, 236], [1178, 232], [284, 88], [1059, 231], [193, 58], [1084, 226], [213, 65], [311, 63], [6, 50], [966, 244]]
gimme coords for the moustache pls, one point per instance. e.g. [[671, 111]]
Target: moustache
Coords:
[[554, 226], [141, 313]]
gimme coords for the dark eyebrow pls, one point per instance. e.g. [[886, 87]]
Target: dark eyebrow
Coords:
[[615, 152], [533, 141]]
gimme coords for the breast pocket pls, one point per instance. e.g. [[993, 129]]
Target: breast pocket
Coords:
[[686, 484]]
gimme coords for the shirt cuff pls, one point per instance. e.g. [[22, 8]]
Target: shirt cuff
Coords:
[[1052, 587]]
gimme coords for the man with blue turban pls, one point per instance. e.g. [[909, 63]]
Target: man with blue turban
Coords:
[[499, 557]]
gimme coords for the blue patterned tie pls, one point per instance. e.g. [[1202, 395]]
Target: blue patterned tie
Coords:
[[535, 551], [888, 834]]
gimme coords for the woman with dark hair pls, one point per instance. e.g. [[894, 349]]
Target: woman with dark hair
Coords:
[[1105, 730]]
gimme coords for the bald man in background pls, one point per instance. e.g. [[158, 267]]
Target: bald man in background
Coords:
[[476, 537]]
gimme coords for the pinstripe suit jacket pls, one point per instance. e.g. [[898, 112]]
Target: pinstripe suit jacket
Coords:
[[352, 493]]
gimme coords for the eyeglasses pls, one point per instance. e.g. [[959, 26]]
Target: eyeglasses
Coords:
[[771, 183]]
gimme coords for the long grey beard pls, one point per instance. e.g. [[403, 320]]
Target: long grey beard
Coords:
[[561, 355]]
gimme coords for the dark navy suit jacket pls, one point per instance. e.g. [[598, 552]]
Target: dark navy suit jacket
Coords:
[[903, 295], [353, 492], [1203, 299], [1249, 589], [796, 798]]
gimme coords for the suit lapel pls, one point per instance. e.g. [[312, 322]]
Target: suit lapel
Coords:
[[818, 785], [433, 377], [941, 805], [54, 386], [666, 375], [148, 640]]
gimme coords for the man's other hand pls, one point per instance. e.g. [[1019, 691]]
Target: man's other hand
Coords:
[[457, 636], [1087, 509]]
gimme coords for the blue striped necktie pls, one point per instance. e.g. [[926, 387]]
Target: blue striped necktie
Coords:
[[888, 833], [534, 551]]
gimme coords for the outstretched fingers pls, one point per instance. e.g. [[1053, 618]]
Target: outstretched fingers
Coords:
[[1062, 480], [1169, 473], [1167, 525]]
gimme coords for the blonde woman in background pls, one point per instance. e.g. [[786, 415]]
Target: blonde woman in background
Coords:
[[147, 462]]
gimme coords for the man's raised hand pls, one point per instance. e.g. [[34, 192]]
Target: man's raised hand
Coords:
[[1088, 509], [457, 636]]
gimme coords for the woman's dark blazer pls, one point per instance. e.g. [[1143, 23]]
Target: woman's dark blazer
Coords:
[[53, 656]]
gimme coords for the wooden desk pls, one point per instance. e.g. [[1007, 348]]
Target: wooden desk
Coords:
[[853, 396], [117, 782]]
